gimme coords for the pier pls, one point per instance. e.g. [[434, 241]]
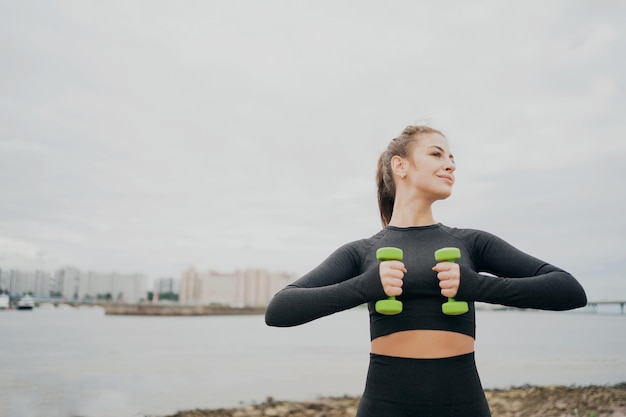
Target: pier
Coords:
[[594, 306]]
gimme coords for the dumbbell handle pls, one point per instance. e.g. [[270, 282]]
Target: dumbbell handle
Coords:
[[390, 306], [452, 307]]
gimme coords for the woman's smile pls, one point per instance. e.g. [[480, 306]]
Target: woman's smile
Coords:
[[448, 178]]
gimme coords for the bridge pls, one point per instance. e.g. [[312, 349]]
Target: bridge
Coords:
[[593, 306]]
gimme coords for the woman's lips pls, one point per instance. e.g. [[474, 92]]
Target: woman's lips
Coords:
[[448, 178]]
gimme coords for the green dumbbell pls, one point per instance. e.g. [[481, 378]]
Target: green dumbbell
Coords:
[[390, 306], [452, 307]]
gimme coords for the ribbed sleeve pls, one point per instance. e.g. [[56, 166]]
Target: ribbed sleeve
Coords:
[[492, 271], [337, 284], [520, 280]]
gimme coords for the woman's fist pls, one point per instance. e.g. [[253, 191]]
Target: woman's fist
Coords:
[[449, 275], [391, 275]]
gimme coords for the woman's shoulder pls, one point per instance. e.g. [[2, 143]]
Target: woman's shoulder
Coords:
[[355, 252], [364, 244], [469, 235]]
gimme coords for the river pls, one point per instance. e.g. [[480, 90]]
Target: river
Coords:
[[80, 362]]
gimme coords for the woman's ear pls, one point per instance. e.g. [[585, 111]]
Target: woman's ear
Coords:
[[399, 166]]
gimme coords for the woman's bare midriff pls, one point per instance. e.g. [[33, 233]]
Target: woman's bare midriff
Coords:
[[423, 344]]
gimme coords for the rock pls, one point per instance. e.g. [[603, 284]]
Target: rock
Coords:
[[552, 401], [271, 412], [560, 405]]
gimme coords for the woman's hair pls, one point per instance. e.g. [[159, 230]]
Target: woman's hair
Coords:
[[402, 147]]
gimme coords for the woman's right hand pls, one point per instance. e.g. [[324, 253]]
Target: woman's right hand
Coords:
[[391, 275]]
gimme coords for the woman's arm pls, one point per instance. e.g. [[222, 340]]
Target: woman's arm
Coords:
[[520, 280], [337, 284]]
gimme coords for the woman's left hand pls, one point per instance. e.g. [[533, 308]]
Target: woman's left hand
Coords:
[[449, 275]]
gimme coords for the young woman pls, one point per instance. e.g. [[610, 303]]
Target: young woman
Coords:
[[422, 361]]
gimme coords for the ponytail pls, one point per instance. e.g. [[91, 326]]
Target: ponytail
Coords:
[[386, 188]]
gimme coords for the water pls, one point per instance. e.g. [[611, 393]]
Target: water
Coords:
[[80, 362]]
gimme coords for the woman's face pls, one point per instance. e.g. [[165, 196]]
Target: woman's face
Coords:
[[430, 168]]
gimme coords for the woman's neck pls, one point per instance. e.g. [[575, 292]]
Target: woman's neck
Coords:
[[412, 214]]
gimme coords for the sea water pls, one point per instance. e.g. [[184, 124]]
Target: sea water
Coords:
[[81, 362]]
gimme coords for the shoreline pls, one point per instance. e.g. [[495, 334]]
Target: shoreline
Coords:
[[524, 401], [178, 310]]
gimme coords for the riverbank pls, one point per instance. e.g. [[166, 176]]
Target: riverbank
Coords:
[[178, 310], [549, 401]]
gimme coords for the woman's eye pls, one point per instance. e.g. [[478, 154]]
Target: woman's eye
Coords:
[[436, 154]]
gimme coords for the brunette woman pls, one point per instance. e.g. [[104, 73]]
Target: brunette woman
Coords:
[[422, 361]]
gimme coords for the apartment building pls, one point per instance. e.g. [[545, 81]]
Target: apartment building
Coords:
[[15, 282], [74, 284], [247, 288], [166, 285], [241, 288]]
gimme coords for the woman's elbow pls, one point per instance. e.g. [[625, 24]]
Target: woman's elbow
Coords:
[[272, 318], [277, 313], [269, 321], [582, 299], [577, 297]]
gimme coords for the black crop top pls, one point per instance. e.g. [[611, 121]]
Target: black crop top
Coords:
[[350, 277]]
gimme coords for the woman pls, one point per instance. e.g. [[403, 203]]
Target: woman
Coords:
[[422, 361]]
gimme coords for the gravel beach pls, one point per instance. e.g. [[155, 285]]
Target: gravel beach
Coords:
[[528, 401]]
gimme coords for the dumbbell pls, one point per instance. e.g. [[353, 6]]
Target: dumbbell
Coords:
[[389, 306], [452, 307]]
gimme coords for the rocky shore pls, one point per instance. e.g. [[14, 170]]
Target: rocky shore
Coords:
[[528, 401]]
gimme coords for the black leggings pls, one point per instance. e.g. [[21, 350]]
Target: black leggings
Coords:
[[403, 387]]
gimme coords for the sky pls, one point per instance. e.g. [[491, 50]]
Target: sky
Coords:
[[155, 136]]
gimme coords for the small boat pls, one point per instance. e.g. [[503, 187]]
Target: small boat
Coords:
[[4, 302], [26, 303]]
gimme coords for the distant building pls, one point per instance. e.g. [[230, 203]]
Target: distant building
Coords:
[[248, 288], [166, 285], [18, 283], [67, 283], [189, 286], [74, 284], [220, 288]]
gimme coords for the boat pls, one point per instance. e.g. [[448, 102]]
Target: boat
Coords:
[[4, 302], [26, 303]]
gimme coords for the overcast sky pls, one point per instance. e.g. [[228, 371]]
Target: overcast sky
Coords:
[[153, 136]]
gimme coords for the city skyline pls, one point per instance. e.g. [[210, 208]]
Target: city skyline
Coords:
[[152, 280], [238, 288]]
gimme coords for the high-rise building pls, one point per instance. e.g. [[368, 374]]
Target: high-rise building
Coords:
[[189, 287], [166, 285], [74, 284], [18, 283], [248, 288], [220, 288]]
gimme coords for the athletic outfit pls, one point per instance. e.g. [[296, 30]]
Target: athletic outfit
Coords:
[[492, 271]]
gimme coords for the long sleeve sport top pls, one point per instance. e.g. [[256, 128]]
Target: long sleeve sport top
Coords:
[[492, 271]]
